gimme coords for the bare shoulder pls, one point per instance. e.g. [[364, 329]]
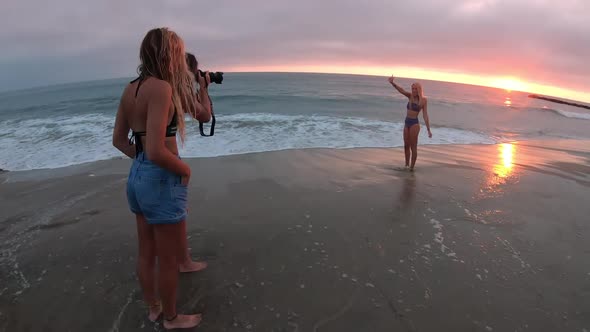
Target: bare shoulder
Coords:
[[158, 88], [127, 95]]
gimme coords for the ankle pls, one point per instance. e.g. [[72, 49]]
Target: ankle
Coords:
[[154, 304], [171, 318]]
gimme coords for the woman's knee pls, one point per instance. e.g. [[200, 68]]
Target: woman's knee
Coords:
[[147, 250], [146, 260], [169, 261], [169, 239]]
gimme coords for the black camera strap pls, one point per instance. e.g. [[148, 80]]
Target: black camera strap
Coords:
[[212, 130]]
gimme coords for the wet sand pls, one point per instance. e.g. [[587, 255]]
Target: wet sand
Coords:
[[479, 238]]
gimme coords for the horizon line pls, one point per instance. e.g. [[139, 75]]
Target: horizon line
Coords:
[[300, 72]]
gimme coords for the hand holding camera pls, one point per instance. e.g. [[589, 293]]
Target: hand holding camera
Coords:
[[215, 77], [204, 79]]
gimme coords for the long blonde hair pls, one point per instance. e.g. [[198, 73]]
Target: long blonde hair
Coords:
[[162, 56], [420, 93]]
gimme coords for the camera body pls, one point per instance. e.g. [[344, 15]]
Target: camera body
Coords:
[[215, 77]]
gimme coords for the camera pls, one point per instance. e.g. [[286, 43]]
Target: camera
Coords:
[[215, 77]]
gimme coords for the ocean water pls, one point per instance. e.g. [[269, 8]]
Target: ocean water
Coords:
[[70, 124]]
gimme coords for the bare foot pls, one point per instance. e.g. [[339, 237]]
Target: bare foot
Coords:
[[182, 322], [155, 311], [192, 266]]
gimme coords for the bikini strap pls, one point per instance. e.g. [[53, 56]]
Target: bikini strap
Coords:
[[141, 80]]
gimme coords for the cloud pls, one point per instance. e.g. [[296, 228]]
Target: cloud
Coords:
[[538, 40]]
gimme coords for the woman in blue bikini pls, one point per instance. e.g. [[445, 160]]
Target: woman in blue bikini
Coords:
[[416, 103]]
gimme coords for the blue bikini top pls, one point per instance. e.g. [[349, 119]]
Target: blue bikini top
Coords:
[[415, 107]]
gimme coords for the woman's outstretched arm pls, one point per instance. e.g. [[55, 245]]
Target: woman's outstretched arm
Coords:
[[399, 88]]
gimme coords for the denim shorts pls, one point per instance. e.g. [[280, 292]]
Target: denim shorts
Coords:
[[156, 193]]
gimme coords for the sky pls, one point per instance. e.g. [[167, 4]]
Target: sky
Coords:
[[537, 46]]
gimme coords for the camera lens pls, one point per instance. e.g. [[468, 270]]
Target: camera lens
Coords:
[[214, 77]]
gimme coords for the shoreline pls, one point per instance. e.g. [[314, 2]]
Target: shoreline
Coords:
[[575, 141]]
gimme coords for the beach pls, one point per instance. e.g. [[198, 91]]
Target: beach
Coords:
[[479, 238], [65, 125]]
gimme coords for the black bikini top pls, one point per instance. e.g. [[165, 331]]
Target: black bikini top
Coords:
[[135, 135]]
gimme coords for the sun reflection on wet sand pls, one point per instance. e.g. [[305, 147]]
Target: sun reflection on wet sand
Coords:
[[502, 170], [505, 164]]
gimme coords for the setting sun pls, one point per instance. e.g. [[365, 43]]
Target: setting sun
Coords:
[[509, 84]]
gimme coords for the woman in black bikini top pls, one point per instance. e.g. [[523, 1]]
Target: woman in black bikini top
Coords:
[[153, 108]]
